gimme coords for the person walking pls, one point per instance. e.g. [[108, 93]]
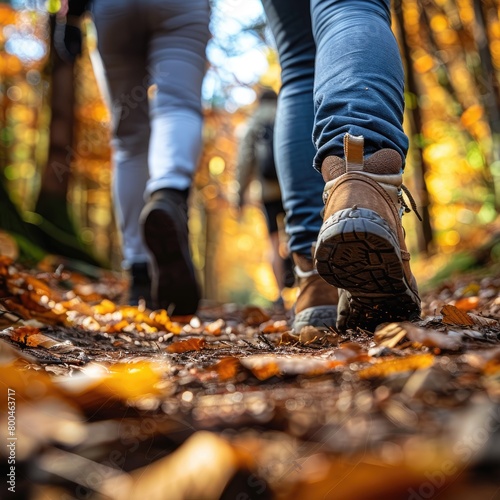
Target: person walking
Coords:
[[343, 84], [256, 161], [153, 56]]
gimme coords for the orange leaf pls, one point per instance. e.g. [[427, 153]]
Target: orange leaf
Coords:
[[226, 368], [467, 303], [23, 333], [194, 344], [31, 337], [274, 326], [454, 316]]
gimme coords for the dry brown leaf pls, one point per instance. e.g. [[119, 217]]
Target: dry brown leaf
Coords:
[[482, 321], [454, 316], [288, 339], [272, 326], [390, 335], [387, 367], [268, 365], [215, 328], [351, 352], [309, 334], [255, 316], [432, 338], [194, 344], [31, 301]]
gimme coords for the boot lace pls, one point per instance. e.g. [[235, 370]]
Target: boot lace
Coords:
[[413, 204]]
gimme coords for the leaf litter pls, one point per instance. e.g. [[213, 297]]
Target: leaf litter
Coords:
[[276, 411]]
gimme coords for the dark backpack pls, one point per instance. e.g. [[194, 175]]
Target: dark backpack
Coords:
[[264, 153]]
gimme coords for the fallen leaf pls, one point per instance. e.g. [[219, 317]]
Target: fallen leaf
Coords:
[[268, 365], [351, 352], [22, 334], [482, 321], [105, 307], [288, 339], [216, 327], [454, 316], [309, 334], [433, 338], [272, 326], [467, 303], [255, 316], [194, 344], [390, 335], [387, 367], [226, 368], [131, 380]]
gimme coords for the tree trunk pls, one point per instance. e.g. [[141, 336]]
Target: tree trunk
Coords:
[[57, 230], [424, 233], [489, 92]]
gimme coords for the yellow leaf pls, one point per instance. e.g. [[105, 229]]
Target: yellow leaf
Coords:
[[131, 381], [395, 365]]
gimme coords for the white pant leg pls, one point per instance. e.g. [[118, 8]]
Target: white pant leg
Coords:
[[177, 64], [155, 144]]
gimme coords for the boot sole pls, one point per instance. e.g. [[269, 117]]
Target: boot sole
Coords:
[[358, 252], [174, 285]]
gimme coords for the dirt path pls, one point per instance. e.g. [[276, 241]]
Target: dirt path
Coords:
[[117, 402]]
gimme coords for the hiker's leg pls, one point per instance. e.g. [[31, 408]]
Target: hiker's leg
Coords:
[[359, 79], [123, 54], [177, 64], [301, 185]]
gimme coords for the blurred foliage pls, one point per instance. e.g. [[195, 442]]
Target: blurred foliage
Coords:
[[454, 97]]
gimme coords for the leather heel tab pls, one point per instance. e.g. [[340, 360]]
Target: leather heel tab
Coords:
[[354, 152]]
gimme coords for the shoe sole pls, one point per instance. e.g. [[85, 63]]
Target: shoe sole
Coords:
[[321, 317], [358, 252], [174, 285]]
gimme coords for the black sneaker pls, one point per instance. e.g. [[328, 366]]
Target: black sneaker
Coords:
[[165, 231], [140, 285]]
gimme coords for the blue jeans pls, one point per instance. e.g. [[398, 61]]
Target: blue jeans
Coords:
[[156, 133], [341, 72]]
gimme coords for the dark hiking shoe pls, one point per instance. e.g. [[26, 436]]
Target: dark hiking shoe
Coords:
[[316, 303], [140, 285], [165, 230], [361, 248]]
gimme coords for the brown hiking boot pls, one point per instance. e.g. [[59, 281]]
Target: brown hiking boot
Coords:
[[317, 301], [361, 247]]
